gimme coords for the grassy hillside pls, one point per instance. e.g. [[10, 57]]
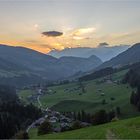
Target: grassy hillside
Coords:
[[92, 99], [69, 98], [129, 56], [24, 94], [123, 129], [22, 66]]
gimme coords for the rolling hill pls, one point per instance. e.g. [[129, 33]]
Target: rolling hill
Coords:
[[77, 64], [69, 97], [22, 64], [122, 129], [102, 51], [130, 56]]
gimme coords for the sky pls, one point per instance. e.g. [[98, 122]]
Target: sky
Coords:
[[44, 25]]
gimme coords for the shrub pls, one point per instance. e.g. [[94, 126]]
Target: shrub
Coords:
[[76, 125], [103, 101], [100, 117], [22, 135], [45, 128]]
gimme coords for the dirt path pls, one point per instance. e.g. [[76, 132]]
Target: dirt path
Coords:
[[110, 135]]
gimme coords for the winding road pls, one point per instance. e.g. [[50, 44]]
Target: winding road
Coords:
[[38, 100], [40, 106]]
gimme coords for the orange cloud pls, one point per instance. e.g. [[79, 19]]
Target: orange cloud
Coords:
[[83, 31]]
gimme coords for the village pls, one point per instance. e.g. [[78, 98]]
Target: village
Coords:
[[60, 121]]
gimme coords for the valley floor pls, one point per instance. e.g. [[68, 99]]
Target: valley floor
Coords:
[[69, 97], [72, 98]]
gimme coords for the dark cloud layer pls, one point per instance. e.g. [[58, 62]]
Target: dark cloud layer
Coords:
[[103, 44], [52, 33]]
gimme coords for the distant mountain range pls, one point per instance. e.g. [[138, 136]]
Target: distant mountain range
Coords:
[[104, 52], [22, 66], [130, 56], [127, 59], [19, 65]]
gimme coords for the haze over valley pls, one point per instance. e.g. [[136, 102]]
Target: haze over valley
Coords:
[[103, 51]]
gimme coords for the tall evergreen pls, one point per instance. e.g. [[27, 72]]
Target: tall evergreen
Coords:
[[79, 116]]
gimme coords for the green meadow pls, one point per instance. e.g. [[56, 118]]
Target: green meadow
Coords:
[[122, 129], [68, 97]]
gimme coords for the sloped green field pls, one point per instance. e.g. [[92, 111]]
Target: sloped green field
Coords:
[[68, 99], [24, 94], [91, 101], [123, 129]]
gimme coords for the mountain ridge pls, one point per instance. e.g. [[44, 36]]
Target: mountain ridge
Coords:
[[103, 52], [28, 62], [129, 56]]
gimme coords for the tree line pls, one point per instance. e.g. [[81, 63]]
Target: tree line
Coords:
[[98, 74], [100, 117], [133, 78], [135, 98], [14, 116]]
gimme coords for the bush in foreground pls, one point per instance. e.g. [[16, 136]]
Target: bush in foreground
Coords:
[[45, 128]]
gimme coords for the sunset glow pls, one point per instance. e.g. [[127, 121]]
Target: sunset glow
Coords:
[[84, 24]]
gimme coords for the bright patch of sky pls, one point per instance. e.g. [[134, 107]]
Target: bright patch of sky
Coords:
[[82, 22]]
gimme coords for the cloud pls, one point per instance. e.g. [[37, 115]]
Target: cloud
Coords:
[[83, 31], [103, 44], [78, 37], [52, 33], [81, 38]]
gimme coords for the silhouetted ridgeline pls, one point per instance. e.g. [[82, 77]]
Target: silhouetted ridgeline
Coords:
[[104, 52], [130, 56], [134, 71], [22, 66]]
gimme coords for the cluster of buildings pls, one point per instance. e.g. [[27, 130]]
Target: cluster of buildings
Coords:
[[58, 120]]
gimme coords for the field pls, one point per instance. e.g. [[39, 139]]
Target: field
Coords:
[[92, 99], [25, 94], [69, 97], [123, 129]]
